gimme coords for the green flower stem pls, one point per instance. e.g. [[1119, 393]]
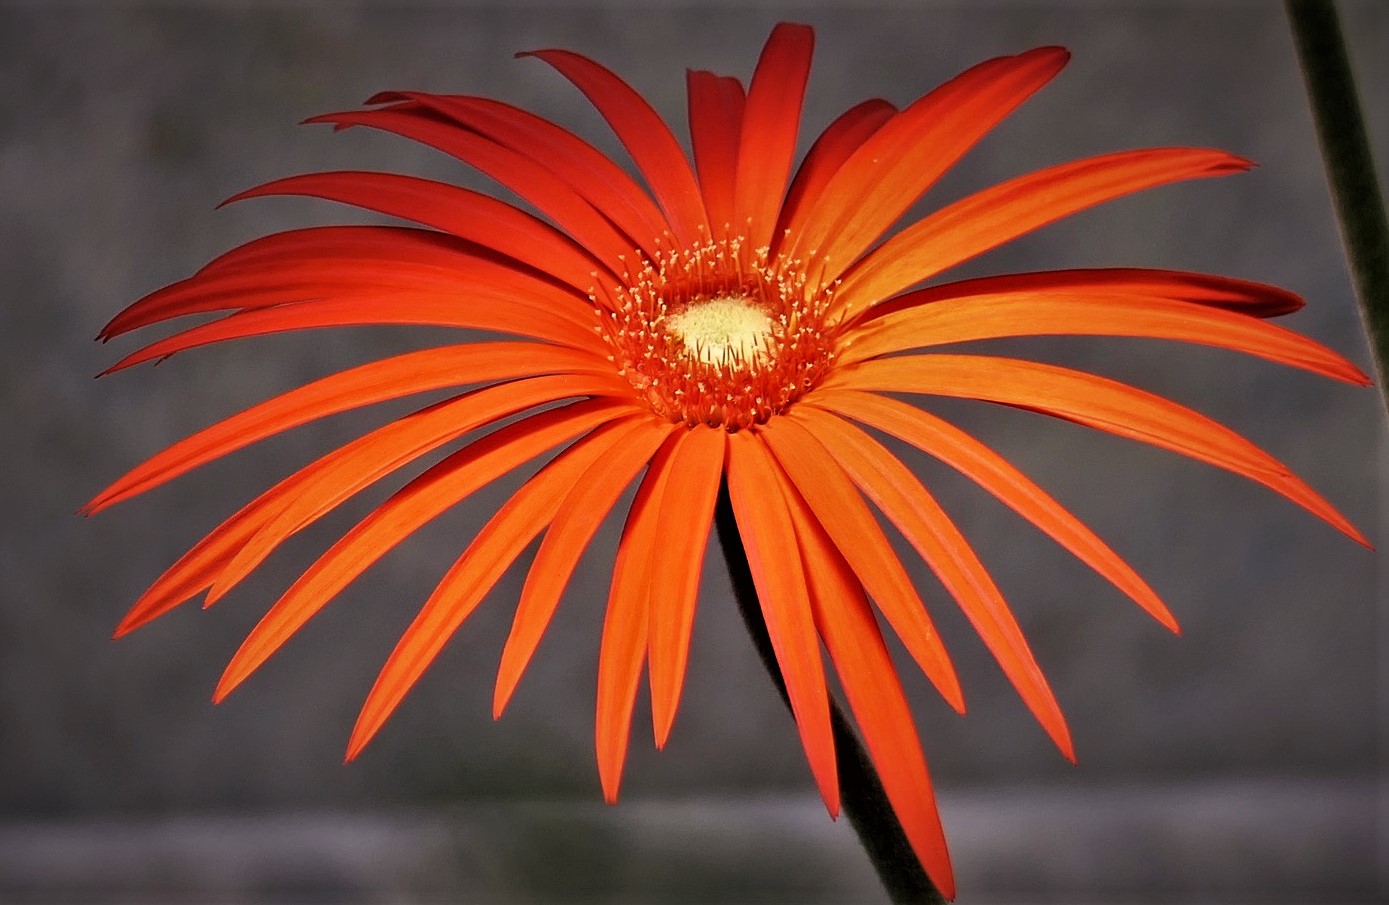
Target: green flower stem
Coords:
[[861, 792], [1349, 167]]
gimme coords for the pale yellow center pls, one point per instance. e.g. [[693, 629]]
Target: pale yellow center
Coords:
[[722, 331]]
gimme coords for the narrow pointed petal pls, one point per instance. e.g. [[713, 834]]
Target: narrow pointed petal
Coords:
[[475, 572], [645, 136], [627, 620], [908, 505], [767, 145], [397, 444], [438, 309], [992, 217], [716, 122], [840, 139], [768, 535], [1093, 401], [905, 157], [444, 485], [687, 510], [856, 648], [588, 171], [390, 378], [458, 211], [530, 180], [1242, 296], [1060, 313], [574, 525], [995, 474], [848, 521]]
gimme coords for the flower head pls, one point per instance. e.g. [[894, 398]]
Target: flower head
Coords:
[[740, 320]]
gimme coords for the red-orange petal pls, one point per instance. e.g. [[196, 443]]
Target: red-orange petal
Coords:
[[390, 378], [903, 158], [645, 136], [474, 573], [855, 644], [848, 521], [995, 474], [771, 122], [427, 496], [716, 121], [573, 527], [1097, 402], [768, 535], [687, 509], [1061, 313], [908, 505], [1005, 211]]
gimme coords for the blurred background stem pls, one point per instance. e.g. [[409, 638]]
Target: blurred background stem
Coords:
[[861, 791], [1350, 170]]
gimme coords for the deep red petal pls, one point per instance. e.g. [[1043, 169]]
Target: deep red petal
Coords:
[[716, 123]]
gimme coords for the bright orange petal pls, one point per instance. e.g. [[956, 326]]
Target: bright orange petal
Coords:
[[1051, 314], [925, 525], [904, 158], [768, 535], [1096, 402], [848, 521], [464, 213], [474, 573], [992, 472], [850, 631], [989, 218], [427, 496], [1243, 296], [770, 126], [397, 444], [840, 139], [687, 509], [574, 525], [589, 172], [627, 620], [390, 378], [716, 121], [645, 136]]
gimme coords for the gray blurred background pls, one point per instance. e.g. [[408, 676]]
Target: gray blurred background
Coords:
[[1242, 762]]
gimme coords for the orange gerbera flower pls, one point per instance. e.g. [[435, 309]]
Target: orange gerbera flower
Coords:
[[722, 327]]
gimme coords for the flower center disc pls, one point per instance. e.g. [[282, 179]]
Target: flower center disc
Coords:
[[724, 331]]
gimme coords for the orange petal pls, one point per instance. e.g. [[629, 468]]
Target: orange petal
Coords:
[[686, 510], [840, 139], [573, 527], [530, 180], [645, 136], [588, 171], [627, 619], [904, 158], [462, 588], [442, 486], [464, 213], [1243, 296], [770, 125], [768, 535], [716, 121], [397, 444], [855, 645], [1096, 402], [848, 521], [992, 472], [989, 218], [1059, 313], [925, 525], [390, 378]]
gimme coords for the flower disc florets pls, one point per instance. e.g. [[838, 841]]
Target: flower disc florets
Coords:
[[719, 334]]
